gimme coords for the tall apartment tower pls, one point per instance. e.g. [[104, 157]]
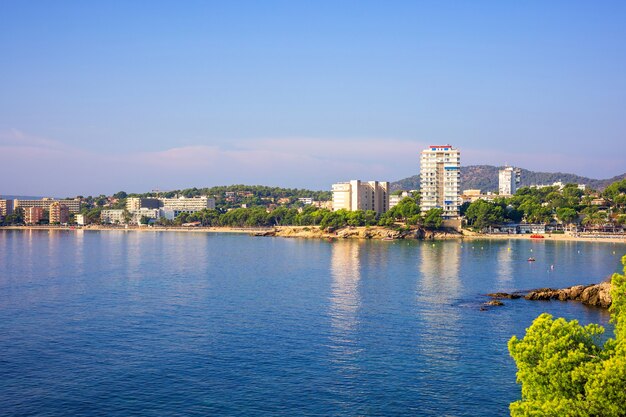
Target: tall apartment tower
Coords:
[[361, 195], [440, 179], [508, 180]]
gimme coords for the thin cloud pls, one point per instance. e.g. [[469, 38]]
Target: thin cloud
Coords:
[[16, 139], [41, 166]]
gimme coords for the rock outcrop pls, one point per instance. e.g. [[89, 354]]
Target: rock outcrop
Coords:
[[511, 296], [372, 232], [597, 295]]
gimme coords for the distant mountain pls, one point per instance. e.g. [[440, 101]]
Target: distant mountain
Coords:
[[19, 197], [485, 178]]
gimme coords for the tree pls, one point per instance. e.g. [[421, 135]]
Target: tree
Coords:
[[371, 218], [356, 218], [17, 217], [464, 207], [594, 217], [433, 219], [127, 216], [406, 208], [565, 371], [92, 216], [386, 219], [482, 214], [614, 190], [566, 215], [334, 219]]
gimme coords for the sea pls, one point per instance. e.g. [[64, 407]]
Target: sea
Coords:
[[126, 323]]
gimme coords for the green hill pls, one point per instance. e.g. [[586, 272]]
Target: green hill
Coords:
[[485, 178]]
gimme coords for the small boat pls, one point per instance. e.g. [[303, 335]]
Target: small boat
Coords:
[[531, 259], [387, 238]]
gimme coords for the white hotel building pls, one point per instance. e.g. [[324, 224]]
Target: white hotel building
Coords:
[[440, 180], [187, 205], [361, 195]]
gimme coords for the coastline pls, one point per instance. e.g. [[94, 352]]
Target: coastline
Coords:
[[314, 232], [553, 237]]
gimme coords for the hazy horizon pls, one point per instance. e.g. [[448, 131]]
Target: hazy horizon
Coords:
[[98, 98], [96, 192]]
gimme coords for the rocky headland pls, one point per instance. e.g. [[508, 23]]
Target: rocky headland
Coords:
[[597, 295], [372, 232]]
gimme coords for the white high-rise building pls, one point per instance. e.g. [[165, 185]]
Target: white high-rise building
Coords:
[[361, 195], [440, 179], [508, 180]]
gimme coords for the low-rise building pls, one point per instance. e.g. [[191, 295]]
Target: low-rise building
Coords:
[[328, 205], [59, 213], [531, 228], [136, 203], [149, 213], [600, 201], [33, 215], [559, 185], [6, 207], [167, 214], [73, 205], [306, 200], [81, 220], [394, 199], [361, 195], [112, 216], [188, 205], [472, 195]]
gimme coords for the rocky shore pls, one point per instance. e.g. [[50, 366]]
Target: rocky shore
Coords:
[[373, 232], [597, 295]]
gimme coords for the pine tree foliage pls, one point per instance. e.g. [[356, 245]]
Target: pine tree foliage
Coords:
[[565, 370]]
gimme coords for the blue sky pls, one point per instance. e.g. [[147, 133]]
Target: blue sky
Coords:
[[119, 95]]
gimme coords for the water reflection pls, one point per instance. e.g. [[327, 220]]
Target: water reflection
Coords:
[[79, 255], [54, 247], [505, 265], [438, 288], [135, 244], [439, 269], [345, 270]]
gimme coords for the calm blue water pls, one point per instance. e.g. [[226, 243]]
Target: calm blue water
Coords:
[[177, 324]]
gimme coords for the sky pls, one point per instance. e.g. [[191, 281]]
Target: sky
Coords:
[[98, 97]]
